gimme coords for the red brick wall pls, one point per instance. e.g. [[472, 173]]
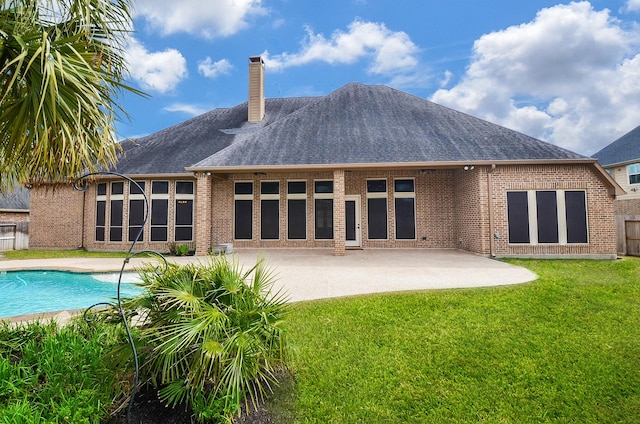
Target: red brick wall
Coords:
[[56, 216]]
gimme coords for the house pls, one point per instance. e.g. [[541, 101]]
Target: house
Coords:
[[621, 159], [362, 167]]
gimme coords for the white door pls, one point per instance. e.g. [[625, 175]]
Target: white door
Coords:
[[352, 221]]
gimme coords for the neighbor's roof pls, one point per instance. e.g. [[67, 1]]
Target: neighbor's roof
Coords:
[[624, 149], [17, 199], [355, 124]]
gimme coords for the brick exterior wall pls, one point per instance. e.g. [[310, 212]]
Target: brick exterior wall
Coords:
[[6, 216], [56, 217], [454, 208]]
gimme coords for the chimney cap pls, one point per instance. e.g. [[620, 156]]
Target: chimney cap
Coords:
[[255, 59]]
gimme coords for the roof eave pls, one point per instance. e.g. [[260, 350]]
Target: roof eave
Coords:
[[386, 165]]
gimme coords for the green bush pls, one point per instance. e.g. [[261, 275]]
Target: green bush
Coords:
[[212, 334], [179, 249]]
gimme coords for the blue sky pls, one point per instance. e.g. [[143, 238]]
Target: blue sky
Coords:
[[567, 73]]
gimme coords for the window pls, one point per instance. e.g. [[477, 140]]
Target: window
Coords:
[[377, 209], [116, 209], [323, 209], [269, 210], [296, 210], [136, 210], [184, 211], [243, 211], [559, 217], [101, 211], [634, 173], [159, 210], [405, 209]]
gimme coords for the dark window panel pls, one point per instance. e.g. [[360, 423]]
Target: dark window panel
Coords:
[[377, 218], [184, 233], [134, 189], [576, 209], [350, 219], [184, 212], [324, 219], [159, 211], [115, 234], [297, 219], [101, 207], [160, 187], [136, 212], [159, 234], [184, 187], [133, 233], [116, 213], [404, 186], [297, 187], [244, 188], [117, 188], [518, 217], [405, 219], [376, 186], [269, 219], [323, 187], [270, 187], [243, 220], [547, 214], [634, 179], [102, 189]]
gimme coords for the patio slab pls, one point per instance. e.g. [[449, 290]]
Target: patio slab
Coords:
[[307, 274]]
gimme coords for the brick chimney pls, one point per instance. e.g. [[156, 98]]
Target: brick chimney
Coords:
[[256, 89]]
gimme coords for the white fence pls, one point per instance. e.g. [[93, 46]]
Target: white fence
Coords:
[[14, 235]]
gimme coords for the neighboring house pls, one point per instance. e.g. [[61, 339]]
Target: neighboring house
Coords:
[[14, 219], [621, 159], [362, 167]]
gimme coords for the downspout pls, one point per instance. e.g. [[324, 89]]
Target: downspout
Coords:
[[84, 211], [490, 203]]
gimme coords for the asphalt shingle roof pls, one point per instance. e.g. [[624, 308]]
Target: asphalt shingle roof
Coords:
[[17, 199], [355, 124], [624, 149]]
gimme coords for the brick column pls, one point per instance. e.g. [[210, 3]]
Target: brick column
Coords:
[[339, 228], [203, 216]]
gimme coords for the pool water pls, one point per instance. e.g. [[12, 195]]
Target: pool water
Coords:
[[30, 292]]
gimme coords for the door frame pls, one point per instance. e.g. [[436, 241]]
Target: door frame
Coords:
[[358, 221]]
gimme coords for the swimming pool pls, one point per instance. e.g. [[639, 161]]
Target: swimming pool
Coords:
[[30, 292]]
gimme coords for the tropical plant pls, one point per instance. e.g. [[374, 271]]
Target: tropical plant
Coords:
[[61, 68], [212, 336]]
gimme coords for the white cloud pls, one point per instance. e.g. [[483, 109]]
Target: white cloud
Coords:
[[569, 76], [206, 18], [188, 109], [391, 52], [211, 69], [633, 6], [155, 71]]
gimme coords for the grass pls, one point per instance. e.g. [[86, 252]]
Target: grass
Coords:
[[565, 349], [55, 254]]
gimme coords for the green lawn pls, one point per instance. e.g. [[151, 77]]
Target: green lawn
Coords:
[[564, 349]]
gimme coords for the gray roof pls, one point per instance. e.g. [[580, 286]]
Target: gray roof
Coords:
[[355, 124], [624, 149], [17, 199]]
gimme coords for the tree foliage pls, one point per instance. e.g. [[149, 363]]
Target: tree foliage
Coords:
[[61, 69]]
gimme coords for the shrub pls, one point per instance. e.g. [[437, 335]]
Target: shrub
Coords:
[[212, 335], [177, 249]]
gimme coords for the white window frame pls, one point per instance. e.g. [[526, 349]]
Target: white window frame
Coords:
[[405, 195], [378, 195], [298, 196], [323, 196], [632, 170]]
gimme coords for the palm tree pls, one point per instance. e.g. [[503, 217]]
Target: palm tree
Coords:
[[61, 69]]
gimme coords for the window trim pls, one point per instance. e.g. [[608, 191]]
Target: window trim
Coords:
[[378, 195], [323, 196], [635, 173], [270, 197], [404, 195], [159, 196], [237, 197], [132, 197], [104, 226], [184, 196], [298, 196]]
